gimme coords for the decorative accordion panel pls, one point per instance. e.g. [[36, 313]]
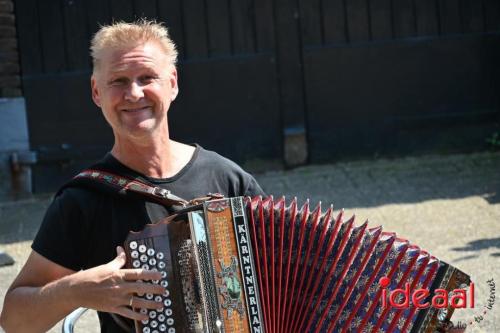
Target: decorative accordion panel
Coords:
[[260, 265]]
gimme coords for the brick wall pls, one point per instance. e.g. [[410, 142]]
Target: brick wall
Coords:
[[10, 80]]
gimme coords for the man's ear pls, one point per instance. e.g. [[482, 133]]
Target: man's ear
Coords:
[[95, 92], [174, 83]]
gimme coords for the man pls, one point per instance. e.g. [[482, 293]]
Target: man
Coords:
[[76, 259]]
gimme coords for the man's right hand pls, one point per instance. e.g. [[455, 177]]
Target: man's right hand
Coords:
[[109, 288], [44, 292]]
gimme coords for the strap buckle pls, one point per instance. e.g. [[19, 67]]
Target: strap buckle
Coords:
[[160, 192]]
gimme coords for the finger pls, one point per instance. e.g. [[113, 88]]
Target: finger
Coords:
[[128, 313], [140, 274], [142, 288], [140, 303], [120, 258]]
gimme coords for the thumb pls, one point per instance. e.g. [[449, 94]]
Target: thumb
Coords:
[[120, 258]]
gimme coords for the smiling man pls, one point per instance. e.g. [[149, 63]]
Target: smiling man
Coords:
[[77, 260]]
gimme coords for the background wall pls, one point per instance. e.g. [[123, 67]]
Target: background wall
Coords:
[[268, 83]]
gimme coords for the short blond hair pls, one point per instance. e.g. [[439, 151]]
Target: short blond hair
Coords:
[[120, 35]]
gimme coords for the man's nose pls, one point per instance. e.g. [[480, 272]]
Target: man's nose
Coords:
[[134, 92]]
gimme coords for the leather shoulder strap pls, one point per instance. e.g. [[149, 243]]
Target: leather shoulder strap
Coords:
[[111, 183]]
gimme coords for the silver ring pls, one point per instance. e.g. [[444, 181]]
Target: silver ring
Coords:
[[131, 299]]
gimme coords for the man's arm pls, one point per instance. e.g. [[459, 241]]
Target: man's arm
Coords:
[[44, 292]]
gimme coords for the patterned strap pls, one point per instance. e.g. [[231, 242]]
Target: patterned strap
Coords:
[[125, 184], [133, 185]]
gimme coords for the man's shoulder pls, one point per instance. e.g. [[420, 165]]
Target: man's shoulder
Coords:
[[211, 159]]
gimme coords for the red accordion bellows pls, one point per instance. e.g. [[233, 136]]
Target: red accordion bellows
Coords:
[[318, 273]]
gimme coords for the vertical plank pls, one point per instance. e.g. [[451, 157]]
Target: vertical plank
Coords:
[[381, 19], [292, 104], [427, 17], [219, 27], [76, 34], [121, 10], [404, 18], [195, 29], [472, 16], [357, 20], [449, 17], [28, 36], [145, 9], [264, 25], [170, 13], [52, 36], [98, 14], [242, 26], [310, 22], [334, 22], [492, 15]]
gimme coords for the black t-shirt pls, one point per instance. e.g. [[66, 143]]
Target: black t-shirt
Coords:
[[82, 227]]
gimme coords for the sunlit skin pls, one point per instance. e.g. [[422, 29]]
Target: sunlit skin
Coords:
[[135, 87]]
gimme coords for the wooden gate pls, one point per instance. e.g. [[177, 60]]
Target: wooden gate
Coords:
[[262, 79], [400, 76]]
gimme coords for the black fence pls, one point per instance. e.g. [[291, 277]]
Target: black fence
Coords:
[[356, 77]]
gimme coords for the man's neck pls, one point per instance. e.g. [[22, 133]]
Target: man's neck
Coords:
[[157, 160]]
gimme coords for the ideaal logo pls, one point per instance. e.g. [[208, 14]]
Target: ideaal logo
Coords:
[[400, 298], [458, 299]]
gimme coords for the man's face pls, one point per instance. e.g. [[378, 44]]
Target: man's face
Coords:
[[134, 88]]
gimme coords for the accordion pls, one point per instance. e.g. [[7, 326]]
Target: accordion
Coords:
[[263, 265]]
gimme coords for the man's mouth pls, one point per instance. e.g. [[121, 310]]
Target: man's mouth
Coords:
[[131, 110]]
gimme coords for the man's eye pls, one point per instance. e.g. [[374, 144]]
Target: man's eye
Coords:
[[118, 82], [147, 78]]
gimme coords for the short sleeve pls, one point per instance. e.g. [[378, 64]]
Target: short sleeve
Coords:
[[61, 234], [253, 188]]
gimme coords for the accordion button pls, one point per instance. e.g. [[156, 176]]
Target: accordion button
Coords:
[[166, 293], [145, 266], [158, 298], [152, 261], [168, 312], [164, 283], [142, 248], [152, 315], [167, 302], [161, 265], [161, 318], [155, 281], [134, 254], [163, 274], [144, 258], [145, 321], [170, 322], [133, 245], [159, 309], [163, 328], [136, 263], [153, 324], [155, 331], [151, 252], [149, 296], [146, 330], [159, 256], [171, 330]]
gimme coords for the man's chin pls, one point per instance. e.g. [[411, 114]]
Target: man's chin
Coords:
[[142, 130]]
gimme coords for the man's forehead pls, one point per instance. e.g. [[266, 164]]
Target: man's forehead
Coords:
[[147, 53]]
